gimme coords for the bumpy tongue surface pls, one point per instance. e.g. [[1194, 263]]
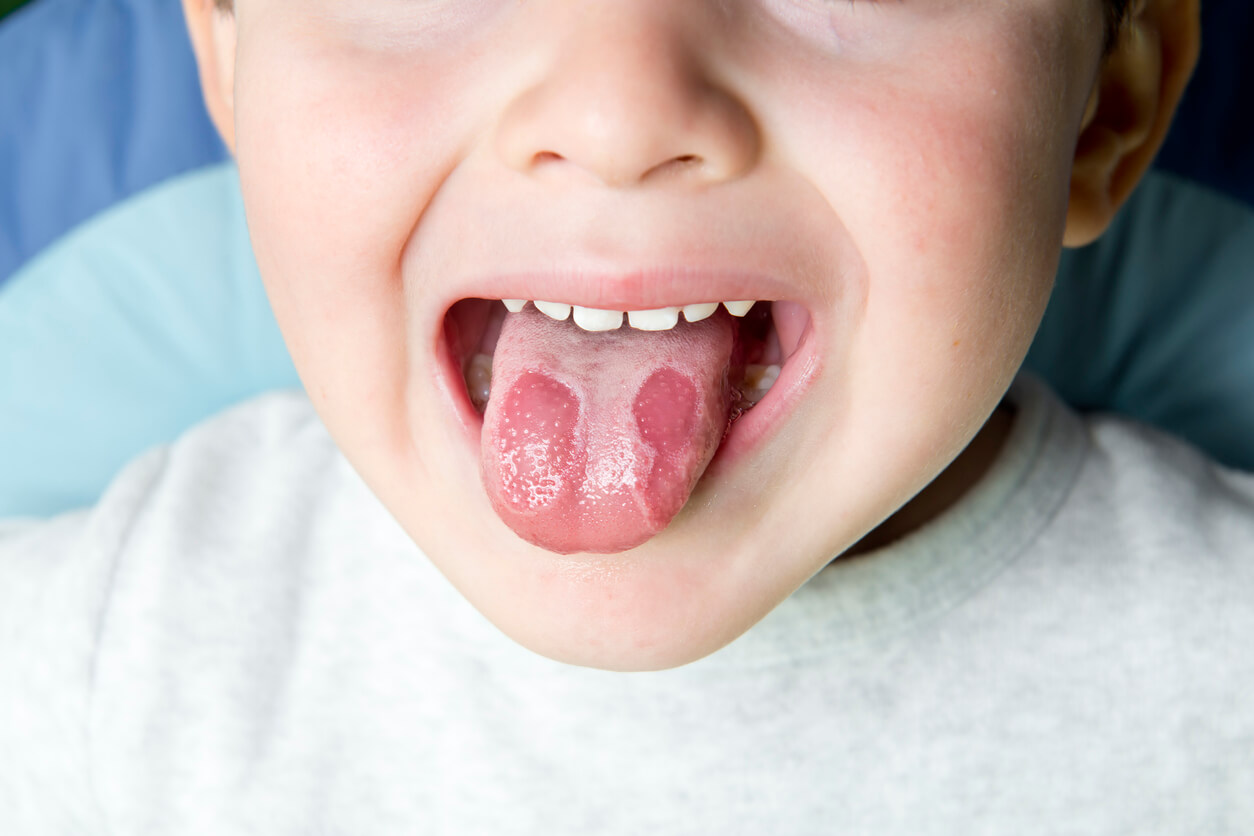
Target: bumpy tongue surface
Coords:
[[592, 442]]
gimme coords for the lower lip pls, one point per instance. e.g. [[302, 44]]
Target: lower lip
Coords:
[[753, 428], [748, 432]]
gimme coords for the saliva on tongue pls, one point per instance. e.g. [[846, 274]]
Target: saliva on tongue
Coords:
[[592, 442]]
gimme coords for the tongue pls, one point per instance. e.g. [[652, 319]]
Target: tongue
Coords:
[[592, 442]]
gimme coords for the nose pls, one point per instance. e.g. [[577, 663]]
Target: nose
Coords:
[[625, 99]]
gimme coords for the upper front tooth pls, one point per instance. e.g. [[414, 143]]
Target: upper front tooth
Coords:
[[738, 308], [698, 312], [515, 305], [557, 310], [661, 319], [595, 319]]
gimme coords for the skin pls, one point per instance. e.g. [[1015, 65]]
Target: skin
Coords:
[[906, 170]]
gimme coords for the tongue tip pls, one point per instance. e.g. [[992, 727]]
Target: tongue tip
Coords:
[[575, 533], [587, 545]]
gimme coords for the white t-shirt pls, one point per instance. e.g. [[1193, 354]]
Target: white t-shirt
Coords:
[[240, 640]]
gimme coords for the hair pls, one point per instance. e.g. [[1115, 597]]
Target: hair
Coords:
[[1116, 15]]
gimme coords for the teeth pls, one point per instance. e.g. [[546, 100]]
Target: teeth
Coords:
[[595, 319], [758, 381], [554, 309], [761, 377], [479, 380], [696, 313], [659, 319], [662, 319]]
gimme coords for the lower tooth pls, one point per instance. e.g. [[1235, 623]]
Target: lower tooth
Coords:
[[758, 381], [479, 380]]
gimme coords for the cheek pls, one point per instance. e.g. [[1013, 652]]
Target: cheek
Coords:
[[338, 162], [952, 187], [338, 159], [966, 233]]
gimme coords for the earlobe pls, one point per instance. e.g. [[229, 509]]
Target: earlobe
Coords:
[[212, 33], [1129, 112]]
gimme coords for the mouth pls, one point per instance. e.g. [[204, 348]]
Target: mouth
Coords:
[[596, 425]]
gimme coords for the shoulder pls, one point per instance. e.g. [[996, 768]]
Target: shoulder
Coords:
[[105, 583], [1143, 522], [1149, 482], [1140, 584], [237, 457], [1154, 545], [249, 473], [255, 490], [197, 567]]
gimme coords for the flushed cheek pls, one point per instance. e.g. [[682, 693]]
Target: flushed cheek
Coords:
[[338, 165], [956, 208], [968, 230], [952, 199], [340, 158]]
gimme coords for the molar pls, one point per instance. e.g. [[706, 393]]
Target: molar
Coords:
[[758, 380], [478, 377]]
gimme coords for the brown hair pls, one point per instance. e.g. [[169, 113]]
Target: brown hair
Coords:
[[1116, 14]]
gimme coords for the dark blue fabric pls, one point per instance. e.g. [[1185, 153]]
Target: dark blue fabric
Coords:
[[1212, 140], [98, 100]]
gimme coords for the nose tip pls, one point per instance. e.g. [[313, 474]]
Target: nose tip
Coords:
[[626, 106]]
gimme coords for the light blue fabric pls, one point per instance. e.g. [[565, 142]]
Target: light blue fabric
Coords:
[[153, 317], [124, 334]]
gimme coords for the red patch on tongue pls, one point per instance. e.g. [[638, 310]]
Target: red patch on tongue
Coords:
[[592, 442]]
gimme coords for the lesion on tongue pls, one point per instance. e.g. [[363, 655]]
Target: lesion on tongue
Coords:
[[593, 442]]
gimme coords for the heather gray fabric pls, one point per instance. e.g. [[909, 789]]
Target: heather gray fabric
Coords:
[[239, 640]]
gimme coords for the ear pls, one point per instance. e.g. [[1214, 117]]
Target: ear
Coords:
[[1131, 108], [212, 32]]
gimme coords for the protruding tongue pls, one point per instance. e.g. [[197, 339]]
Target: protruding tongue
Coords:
[[592, 442]]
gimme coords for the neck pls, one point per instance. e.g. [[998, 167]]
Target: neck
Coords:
[[947, 488]]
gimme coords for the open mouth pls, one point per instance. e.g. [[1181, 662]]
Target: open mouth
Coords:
[[598, 425]]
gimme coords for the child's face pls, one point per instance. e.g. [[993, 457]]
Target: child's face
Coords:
[[897, 171]]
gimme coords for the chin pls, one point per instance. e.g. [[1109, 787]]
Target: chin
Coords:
[[659, 606]]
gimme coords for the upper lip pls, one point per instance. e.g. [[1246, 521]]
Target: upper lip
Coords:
[[629, 251], [632, 290]]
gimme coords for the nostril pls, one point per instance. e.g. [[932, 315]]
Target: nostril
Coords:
[[678, 165], [546, 157]]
